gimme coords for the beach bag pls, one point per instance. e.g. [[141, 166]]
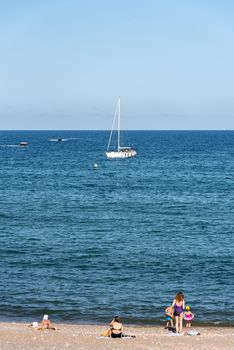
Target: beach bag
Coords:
[[34, 324], [193, 332]]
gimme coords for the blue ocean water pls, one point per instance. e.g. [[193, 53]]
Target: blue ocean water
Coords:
[[84, 244]]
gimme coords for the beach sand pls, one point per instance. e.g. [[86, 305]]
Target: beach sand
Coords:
[[18, 336]]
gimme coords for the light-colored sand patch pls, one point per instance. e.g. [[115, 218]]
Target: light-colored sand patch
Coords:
[[15, 336]]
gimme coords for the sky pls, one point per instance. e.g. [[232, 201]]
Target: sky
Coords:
[[63, 64]]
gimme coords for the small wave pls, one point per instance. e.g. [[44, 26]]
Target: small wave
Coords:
[[5, 216], [57, 140], [10, 146], [63, 140]]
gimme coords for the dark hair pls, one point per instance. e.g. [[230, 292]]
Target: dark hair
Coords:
[[117, 319]]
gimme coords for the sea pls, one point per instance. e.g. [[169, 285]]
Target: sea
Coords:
[[84, 238]]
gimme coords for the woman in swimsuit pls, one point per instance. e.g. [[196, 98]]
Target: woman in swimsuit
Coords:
[[179, 304], [116, 328]]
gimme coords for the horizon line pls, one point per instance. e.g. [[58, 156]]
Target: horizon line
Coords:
[[101, 130]]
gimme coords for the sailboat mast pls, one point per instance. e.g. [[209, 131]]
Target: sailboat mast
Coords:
[[119, 124], [124, 151]]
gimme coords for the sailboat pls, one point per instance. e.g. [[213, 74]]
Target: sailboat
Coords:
[[122, 151]]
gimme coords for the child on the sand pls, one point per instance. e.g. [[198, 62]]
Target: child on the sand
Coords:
[[169, 313], [188, 316]]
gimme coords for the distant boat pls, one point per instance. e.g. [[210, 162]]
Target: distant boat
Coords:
[[122, 151], [23, 144], [59, 139]]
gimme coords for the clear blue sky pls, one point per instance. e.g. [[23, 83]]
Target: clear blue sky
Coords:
[[65, 62]]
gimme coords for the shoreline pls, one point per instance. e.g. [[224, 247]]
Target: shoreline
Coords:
[[16, 336], [156, 324]]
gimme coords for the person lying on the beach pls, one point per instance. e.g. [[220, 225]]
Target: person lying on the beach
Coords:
[[45, 324], [116, 328]]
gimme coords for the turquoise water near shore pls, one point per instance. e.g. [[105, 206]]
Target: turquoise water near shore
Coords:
[[84, 244]]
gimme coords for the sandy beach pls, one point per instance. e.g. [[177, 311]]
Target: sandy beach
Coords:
[[18, 336]]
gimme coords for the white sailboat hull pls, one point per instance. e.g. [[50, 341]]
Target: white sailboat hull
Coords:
[[121, 154]]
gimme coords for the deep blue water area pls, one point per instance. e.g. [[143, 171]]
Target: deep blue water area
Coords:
[[84, 244]]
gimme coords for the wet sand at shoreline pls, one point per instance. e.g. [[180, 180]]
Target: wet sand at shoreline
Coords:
[[18, 336]]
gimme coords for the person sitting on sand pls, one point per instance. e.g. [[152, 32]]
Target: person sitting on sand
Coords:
[[169, 313], [116, 328], [178, 304], [46, 323]]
